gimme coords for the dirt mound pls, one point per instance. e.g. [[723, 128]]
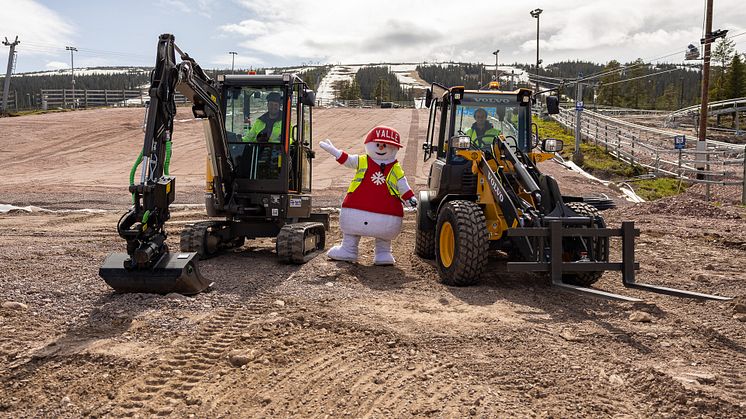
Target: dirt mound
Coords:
[[683, 205]]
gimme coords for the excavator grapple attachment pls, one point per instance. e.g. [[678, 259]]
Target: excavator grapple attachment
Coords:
[[174, 272]]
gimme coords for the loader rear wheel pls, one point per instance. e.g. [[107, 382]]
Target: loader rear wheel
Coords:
[[461, 243], [599, 246]]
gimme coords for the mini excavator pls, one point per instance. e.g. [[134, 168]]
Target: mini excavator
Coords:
[[485, 192], [258, 181]]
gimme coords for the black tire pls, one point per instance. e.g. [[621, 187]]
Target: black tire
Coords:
[[600, 246], [424, 243], [468, 255]]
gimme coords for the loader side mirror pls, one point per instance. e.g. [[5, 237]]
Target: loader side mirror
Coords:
[[553, 105], [551, 145], [309, 98], [428, 98]]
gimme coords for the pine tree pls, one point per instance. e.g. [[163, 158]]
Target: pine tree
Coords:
[[722, 56], [735, 84], [609, 95]]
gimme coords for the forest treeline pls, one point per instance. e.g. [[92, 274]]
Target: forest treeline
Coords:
[[377, 83], [635, 84]]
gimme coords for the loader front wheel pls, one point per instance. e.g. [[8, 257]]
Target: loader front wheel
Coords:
[[461, 243], [599, 247]]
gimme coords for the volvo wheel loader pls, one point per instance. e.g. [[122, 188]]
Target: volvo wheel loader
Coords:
[[486, 193], [258, 175]]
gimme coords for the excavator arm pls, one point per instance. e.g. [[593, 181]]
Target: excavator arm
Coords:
[[148, 266]]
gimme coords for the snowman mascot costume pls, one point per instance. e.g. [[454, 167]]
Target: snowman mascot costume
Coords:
[[373, 204]]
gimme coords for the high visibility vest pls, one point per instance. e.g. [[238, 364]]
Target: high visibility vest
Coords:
[[258, 127], [492, 132], [392, 179]]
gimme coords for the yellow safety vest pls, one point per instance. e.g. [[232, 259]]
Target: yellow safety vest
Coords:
[[392, 179]]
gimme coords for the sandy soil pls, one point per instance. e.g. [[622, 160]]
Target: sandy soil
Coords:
[[331, 339]]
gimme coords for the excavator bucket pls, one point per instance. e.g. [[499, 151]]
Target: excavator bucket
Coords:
[[174, 272]]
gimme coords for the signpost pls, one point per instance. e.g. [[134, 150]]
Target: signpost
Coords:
[[679, 142]]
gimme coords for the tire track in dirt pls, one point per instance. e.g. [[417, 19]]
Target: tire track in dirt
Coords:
[[172, 378]]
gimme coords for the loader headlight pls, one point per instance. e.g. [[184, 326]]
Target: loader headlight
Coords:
[[460, 142], [551, 145]]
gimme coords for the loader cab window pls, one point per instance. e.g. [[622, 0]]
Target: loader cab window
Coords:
[[484, 117], [254, 124]]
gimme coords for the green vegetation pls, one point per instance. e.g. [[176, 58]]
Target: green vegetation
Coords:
[[651, 189], [601, 164]]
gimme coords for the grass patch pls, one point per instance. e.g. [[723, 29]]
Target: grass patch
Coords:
[[36, 112], [595, 159], [652, 189]]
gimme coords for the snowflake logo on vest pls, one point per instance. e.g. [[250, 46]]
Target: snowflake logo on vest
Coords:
[[378, 178]]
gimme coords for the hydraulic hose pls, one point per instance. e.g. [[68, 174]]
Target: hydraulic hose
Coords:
[[168, 158], [132, 172]]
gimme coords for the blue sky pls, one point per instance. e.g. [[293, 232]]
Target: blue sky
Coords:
[[286, 32]]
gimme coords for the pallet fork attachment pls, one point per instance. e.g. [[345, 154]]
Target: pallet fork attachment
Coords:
[[556, 230]]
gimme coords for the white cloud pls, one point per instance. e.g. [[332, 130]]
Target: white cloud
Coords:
[[57, 65], [39, 29], [414, 31]]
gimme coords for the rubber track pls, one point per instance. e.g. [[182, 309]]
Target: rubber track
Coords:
[[291, 242], [193, 238], [472, 243]]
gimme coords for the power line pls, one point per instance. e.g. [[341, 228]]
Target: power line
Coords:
[[639, 77]]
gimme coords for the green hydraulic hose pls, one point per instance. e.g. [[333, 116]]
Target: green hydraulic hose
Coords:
[[132, 172], [168, 158]]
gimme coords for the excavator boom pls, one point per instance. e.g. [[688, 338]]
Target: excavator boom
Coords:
[[148, 266]]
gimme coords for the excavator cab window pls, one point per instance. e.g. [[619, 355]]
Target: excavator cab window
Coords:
[[254, 126]]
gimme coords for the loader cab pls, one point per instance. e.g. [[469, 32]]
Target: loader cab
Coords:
[[268, 130], [475, 117]]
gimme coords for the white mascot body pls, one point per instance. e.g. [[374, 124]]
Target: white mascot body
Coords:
[[373, 204]]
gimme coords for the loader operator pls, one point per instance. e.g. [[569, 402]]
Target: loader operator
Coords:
[[269, 126], [481, 129]]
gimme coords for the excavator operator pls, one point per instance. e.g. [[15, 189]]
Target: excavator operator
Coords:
[[269, 126]]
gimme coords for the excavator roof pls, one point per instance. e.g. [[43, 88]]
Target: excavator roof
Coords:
[[258, 79]]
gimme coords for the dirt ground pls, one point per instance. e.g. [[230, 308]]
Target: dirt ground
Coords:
[[333, 339]]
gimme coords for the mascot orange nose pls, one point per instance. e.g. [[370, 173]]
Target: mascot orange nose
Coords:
[[381, 146]]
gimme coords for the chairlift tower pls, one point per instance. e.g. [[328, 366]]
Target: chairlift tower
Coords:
[[9, 72]]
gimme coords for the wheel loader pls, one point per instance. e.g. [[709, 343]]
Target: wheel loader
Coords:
[[485, 193], [258, 175]]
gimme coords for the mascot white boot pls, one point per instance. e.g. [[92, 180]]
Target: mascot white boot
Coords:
[[373, 204]]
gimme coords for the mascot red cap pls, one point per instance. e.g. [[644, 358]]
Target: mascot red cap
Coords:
[[382, 134]]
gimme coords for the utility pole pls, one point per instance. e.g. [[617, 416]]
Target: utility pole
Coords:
[[6, 84], [577, 156], [535, 14], [496, 54], [681, 93], [72, 69], [233, 58]]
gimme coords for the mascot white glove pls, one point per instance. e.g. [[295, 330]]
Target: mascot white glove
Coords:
[[411, 202], [327, 146]]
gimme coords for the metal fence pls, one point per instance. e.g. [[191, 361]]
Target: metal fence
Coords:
[[718, 163], [364, 103], [66, 99]]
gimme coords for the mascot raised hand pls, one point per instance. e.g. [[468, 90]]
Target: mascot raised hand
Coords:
[[373, 204]]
